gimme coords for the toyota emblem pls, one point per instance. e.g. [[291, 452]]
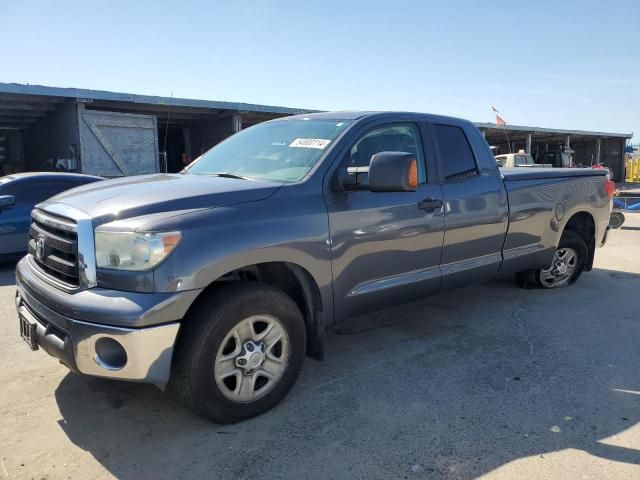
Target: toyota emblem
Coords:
[[40, 248]]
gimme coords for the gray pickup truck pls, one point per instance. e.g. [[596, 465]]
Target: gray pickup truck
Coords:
[[215, 282]]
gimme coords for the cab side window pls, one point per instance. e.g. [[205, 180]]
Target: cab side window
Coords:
[[403, 137], [457, 158]]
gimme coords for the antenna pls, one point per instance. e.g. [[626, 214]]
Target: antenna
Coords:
[[507, 135], [166, 132]]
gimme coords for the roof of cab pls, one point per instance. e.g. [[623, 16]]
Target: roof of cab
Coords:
[[357, 115], [346, 115]]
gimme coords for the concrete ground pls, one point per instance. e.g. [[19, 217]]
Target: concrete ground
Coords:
[[491, 381]]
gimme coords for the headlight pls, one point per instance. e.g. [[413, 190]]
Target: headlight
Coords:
[[133, 250]]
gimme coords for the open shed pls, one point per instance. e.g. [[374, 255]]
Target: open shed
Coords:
[[113, 134], [585, 147]]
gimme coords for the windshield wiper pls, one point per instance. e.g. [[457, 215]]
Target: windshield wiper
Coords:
[[230, 175]]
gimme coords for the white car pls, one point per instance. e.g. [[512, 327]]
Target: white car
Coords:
[[519, 159]]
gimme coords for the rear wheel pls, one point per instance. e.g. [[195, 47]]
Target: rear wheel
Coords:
[[561, 270], [239, 354], [566, 266]]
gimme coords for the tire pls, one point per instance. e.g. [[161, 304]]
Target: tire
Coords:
[[540, 278], [616, 220], [207, 350], [569, 242]]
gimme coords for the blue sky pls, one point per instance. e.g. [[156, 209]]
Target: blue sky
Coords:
[[556, 64]]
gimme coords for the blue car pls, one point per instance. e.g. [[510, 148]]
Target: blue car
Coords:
[[19, 193]]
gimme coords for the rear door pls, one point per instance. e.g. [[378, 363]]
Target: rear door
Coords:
[[475, 205], [385, 246]]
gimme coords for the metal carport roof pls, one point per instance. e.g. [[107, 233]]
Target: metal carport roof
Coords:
[[549, 131], [22, 105]]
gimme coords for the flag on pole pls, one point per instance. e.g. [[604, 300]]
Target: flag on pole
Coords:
[[501, 123]]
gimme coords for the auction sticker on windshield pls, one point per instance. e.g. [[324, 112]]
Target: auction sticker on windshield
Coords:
[[319, 143]]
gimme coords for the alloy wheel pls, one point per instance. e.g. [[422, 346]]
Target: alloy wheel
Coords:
[[252, 358], [562, 268]]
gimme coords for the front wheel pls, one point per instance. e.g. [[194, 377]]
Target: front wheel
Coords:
[[239, 354]]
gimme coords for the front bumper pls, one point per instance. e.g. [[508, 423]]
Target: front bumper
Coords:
[[78, 343]]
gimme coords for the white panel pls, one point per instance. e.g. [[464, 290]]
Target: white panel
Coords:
[[118, 144]]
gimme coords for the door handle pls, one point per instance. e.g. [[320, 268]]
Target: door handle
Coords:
[[430, 204]]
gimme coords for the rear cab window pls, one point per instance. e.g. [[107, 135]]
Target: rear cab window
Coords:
[[457, 159]]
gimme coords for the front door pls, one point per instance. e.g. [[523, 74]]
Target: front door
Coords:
[[385, 245]]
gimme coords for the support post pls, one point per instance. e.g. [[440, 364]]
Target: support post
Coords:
[[237, 122], [528, 147], [598, 149], [186, 135]]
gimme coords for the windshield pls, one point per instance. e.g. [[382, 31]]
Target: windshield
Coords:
[[282, 151]]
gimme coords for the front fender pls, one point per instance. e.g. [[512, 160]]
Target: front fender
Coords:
[[289, 228]]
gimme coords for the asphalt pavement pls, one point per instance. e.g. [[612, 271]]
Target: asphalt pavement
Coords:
[[489, 381]]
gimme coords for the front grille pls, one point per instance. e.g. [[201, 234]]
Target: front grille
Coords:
[[53, 243]]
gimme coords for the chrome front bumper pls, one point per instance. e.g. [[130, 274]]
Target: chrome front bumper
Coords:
[[88, 348]]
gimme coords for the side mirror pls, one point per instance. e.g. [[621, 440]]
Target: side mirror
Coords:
[[393, 172], [7, 200]]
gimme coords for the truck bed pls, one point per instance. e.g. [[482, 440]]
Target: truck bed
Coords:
[[517, 173], [541, 202]]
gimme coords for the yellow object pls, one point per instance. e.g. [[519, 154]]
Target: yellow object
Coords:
[[633, 170]]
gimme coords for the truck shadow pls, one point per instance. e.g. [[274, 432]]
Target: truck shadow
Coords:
[[456, 386]]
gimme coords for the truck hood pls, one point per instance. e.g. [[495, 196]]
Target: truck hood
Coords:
[[162, 193]]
